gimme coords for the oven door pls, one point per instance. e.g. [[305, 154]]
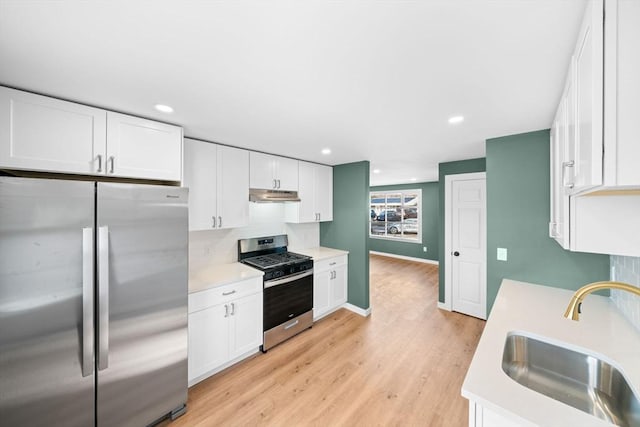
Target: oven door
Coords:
[[287, 298]]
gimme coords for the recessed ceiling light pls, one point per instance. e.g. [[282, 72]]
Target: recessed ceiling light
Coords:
[[376, 171], [456, 119], [163, 108], [326, 151], [414, 179]]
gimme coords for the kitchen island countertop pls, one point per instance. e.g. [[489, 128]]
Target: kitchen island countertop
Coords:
[[537, 311]]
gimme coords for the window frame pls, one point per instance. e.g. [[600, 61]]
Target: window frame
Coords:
[[402, 193]]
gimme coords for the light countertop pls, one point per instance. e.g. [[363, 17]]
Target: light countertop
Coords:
[[319, 253], [218, 275], [538, 311]]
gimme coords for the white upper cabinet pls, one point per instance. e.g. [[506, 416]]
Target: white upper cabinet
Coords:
[[40, 133], [273, 172], [603, 132], [595, 137], [233, 187], [140, 148], [622, 94], [316, 194], [46, 134], [218, 181], [588, 83]]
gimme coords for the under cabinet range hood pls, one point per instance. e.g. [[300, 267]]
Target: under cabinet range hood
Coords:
[[271, 196]]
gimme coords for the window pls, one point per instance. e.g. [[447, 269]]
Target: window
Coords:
[[396, 215]]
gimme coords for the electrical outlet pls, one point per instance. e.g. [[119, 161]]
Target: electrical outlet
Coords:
[[502, 254], [424, 249]]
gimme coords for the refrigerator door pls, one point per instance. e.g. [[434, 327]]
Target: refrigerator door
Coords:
[[142, 302], [46, 302]]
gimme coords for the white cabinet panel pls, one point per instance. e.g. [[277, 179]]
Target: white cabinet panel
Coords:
[[321, 289], [315, 190], [233, 187], [588, 99], [246, 327], [225, 325], [324, 192], [218, 181], [140, 148], [329, 285], [46, 134], [273, 172], [208, 338], [200, 176]]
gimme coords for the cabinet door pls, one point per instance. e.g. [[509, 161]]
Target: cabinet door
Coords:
[[287, 174], [208, 340], [233, 187], [559, 212], [321, 299], [262, 167], [200, 176], [306, 208], [324, 192], [45, 134], [338, 286], [245, 325], [588, 101], [140, 148]]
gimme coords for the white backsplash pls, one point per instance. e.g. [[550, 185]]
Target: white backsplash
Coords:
[[626, 269], [215, 247]]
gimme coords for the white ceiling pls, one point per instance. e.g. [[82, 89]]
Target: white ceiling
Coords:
[[372, 80]]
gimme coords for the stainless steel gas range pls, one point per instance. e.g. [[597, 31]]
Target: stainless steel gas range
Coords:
[[288, 286]]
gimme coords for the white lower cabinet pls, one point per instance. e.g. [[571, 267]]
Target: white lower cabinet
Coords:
[[480, 416], [329, 285], [225, 326]]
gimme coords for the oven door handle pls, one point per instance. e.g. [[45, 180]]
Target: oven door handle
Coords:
[[276, 282]]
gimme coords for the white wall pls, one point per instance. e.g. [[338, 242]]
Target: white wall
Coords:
[[626, 269], [215, 247]]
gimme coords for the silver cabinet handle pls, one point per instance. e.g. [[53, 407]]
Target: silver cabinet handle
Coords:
[[214, 222], [318, 216], [291, 325], [226, 310], [233, 308], [87, 301], [229, 293], [274, 184], [112, 160], [219, 222], [333, 263], [565, 165], [278, 183], [103, 298], [99, 163]]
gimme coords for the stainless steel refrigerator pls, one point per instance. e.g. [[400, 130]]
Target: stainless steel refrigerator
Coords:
[[93, 302]]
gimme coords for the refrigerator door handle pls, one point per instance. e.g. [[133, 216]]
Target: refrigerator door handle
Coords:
[[103, 298], [87, 301]]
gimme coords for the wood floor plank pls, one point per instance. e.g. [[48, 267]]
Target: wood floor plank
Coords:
[[402, 366]]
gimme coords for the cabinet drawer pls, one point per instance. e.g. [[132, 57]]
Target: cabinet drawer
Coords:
[[329, 263], [221, 294]]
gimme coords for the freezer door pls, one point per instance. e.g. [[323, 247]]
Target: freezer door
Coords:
[[46, 289], [142, 302]]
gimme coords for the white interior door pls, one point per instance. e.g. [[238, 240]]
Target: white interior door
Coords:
[[468, 247]]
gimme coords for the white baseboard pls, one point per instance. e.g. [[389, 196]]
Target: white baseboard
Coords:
[[443, 306], [407, 258], [362, 312]]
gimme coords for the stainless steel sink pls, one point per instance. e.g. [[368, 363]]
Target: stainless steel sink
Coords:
[[580, 380]]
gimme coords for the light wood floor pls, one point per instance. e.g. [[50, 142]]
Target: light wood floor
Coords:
[[402, 366]]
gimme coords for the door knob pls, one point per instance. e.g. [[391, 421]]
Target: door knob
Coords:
[[456, 253]]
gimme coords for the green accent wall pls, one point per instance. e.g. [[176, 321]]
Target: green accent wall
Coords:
[[349, 229], [444, 169], [518, 216], [429, 214]]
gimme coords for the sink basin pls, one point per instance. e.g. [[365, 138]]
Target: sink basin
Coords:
[[577, 379]]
